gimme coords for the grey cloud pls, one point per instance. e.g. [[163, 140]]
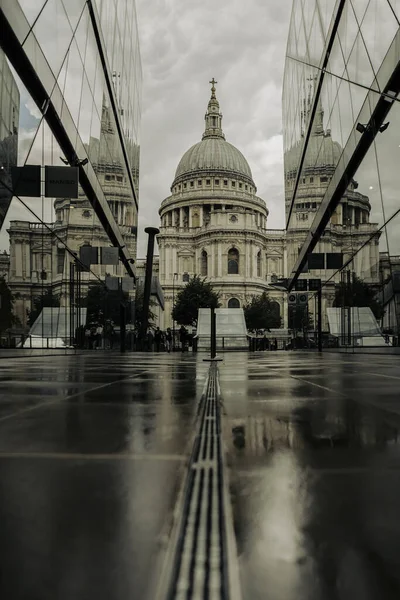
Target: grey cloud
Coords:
[[183, 45]]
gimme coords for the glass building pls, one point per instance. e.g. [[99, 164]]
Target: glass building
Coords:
[[9, 117], [78, 70], [341, 118]]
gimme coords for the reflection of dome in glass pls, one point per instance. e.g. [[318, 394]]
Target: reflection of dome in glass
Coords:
[[213, 153], [322, 151]]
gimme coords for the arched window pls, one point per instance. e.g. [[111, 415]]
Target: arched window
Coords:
[[276, 309], [233, 262], [233, 303], [203, 263], [259, 264]]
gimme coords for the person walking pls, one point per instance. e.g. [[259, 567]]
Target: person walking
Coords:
[[150, 339], [182, 337], [157, 339], [168, 339], [99, 336]]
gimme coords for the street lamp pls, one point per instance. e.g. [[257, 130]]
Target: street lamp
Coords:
[[173, 303]]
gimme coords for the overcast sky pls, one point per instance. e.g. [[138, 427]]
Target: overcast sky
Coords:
[[184, 43]]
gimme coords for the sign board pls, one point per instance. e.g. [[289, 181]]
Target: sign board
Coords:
[[314, 285], [26, 180], [112, 283], [292, 298], [302, 299], [127, 284], [109, 255], [88, 255], [316, 260], [61, 182], [334, 260], [396, 281], [300, 285]]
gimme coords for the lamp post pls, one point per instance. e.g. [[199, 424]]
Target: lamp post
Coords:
[[175, 276], [152, 232]]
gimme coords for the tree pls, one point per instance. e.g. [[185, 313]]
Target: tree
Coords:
[[358, 293], [39, 302], [7, 318], [197, 293], [139, 309], [103, 304], [262, 313], [299, 318]]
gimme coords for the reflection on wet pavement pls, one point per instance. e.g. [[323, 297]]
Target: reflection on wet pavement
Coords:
[[314, 461], [94, 452]]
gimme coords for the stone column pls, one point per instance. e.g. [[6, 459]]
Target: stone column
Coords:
[[201, 216], [219, 258], [212, 252], [181, 218]]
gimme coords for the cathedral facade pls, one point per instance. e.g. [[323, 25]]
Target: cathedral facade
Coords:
[[214, 225], [38, 258]]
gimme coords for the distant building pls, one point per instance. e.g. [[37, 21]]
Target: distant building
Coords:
[[339, 179], [9, 118], [214, 225], [93, 83]]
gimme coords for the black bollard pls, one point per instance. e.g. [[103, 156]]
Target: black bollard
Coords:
[[319, 319], [213, 334], [152, 232]]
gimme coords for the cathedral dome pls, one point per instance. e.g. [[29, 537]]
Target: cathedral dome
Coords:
[[213, 153]]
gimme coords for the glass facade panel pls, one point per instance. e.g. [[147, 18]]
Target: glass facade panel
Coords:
[[362, 214], [54, 47], [46, 234], [9, 120]]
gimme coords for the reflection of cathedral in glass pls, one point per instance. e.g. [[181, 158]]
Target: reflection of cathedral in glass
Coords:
[[94, 82], [9, 115], [349, 228]]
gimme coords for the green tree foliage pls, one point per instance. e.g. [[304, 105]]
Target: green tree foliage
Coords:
[[103, 304], [358, 293], [197, 293], [7, 318], [262, 313], [299, 319], [44, 301], [139, 309]]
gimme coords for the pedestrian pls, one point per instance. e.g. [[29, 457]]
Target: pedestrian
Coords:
[[150, 339], [157, 339], [182, 337], [168, 339], [87, 338], [93, 330], [99, 336]]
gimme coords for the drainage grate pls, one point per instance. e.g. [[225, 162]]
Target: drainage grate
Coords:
[[200, 561]]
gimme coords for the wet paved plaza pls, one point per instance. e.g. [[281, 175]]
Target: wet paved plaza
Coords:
[[94, 453]]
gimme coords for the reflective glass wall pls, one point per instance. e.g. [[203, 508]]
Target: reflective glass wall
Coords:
[[87, 62], [9, 117], [340, 60]]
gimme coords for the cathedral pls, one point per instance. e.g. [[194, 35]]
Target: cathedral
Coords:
[[214, 225]]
